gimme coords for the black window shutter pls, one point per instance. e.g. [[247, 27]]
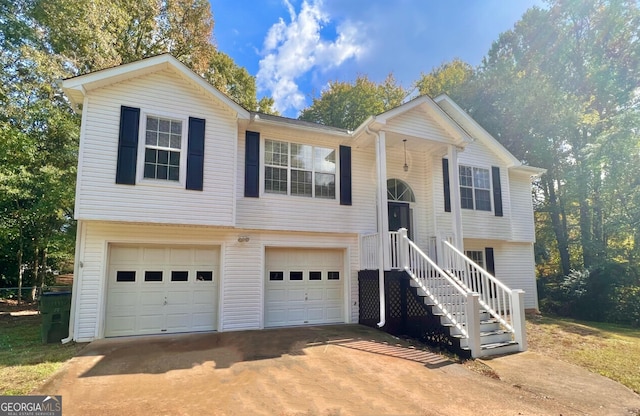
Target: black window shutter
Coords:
[[195, 154], [497, 191], [128, 146], [489, 260], [447, 185], [252, 164], [345, 175]]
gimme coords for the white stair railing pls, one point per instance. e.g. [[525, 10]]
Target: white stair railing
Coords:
[[395, 249], [369, 252], [459, 306], [503, 303]]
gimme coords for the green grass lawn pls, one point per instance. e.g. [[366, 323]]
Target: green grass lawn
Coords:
[[25, 362], [610, 350]]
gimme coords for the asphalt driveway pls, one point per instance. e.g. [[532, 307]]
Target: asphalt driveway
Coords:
[[327, 370]]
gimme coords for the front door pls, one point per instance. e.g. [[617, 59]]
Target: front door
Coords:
[[399, 216]]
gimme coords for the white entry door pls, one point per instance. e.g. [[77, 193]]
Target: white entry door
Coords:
[[304, 286], [161, 289]]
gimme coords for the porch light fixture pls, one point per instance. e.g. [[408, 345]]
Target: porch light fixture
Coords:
[[405, 167], [243, 239]]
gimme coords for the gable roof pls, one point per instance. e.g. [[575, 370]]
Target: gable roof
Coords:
[[479, 133], [424, 101], [76, 88]]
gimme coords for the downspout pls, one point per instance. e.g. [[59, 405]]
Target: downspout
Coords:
[[383, 312], [74, 288]]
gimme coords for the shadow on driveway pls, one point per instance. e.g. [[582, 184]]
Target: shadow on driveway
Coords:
[[163, 353]]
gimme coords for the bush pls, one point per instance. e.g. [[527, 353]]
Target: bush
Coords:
[[627, 306], [609, 293]]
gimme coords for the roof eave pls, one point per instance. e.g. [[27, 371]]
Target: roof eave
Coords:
[[77, 87]]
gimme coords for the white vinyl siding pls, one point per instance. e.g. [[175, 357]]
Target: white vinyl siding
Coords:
[[167, 95], [241, 283], [523, 228], [514, 266]]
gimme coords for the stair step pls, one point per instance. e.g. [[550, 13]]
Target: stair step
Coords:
[[498, 345]]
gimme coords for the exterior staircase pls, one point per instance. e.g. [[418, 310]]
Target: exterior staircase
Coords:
[[476, 312]]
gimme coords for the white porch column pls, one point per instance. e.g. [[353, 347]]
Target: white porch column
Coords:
[[454, 181], [383, 208]]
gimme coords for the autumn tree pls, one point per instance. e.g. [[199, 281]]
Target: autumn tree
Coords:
[[347, 105]]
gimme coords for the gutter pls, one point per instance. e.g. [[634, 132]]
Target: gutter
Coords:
[[380, 235], [74, 288]]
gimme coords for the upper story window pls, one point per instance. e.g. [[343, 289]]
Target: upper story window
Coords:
[[475, 188], [163, 147], [299, 169]]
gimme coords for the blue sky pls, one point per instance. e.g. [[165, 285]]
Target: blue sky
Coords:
[[294, 47]]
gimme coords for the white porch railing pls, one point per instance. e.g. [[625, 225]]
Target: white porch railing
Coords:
[[394, 242], [369, 252], [503, 303]]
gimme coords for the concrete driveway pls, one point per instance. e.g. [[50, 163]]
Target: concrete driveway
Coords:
[[327, 370]]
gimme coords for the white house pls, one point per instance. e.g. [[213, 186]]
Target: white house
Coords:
[[195, 214]]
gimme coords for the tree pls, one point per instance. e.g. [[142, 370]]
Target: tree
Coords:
[[560, 90], [98, 34], [347, 105], [448, 78]]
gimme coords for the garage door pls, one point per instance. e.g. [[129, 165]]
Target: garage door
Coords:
[[304, 286], [161, 289]]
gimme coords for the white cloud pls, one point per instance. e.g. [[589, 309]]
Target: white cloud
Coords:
[[293, 49]]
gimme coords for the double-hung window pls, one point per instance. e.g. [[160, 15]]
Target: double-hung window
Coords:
[[475, 188], [163, 148], [300, 170]]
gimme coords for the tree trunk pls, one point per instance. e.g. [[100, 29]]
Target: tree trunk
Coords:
[[36, 272], [20, 274], [583, 178], [559, 229], [43, 279]]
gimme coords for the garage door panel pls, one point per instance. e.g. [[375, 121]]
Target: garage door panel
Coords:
[[176, 303], [153, 255], [334, 313], [311, 298], [333, 293], [121, 325], [204, 297], [276, 295], [315, 294], [201, 321], [295, 295], [178, 322], [296, 315]]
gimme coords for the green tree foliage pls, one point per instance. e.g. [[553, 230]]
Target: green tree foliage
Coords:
[[448, 78], [347, 105]]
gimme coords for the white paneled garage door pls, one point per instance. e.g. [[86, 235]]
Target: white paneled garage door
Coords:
[[304, 286], [161, 289]]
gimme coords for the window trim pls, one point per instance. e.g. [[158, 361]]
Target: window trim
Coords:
[[182, 176], [289, 168], [473, 188]]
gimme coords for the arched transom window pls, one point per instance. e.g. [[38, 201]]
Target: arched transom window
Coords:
[[398, 190]]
